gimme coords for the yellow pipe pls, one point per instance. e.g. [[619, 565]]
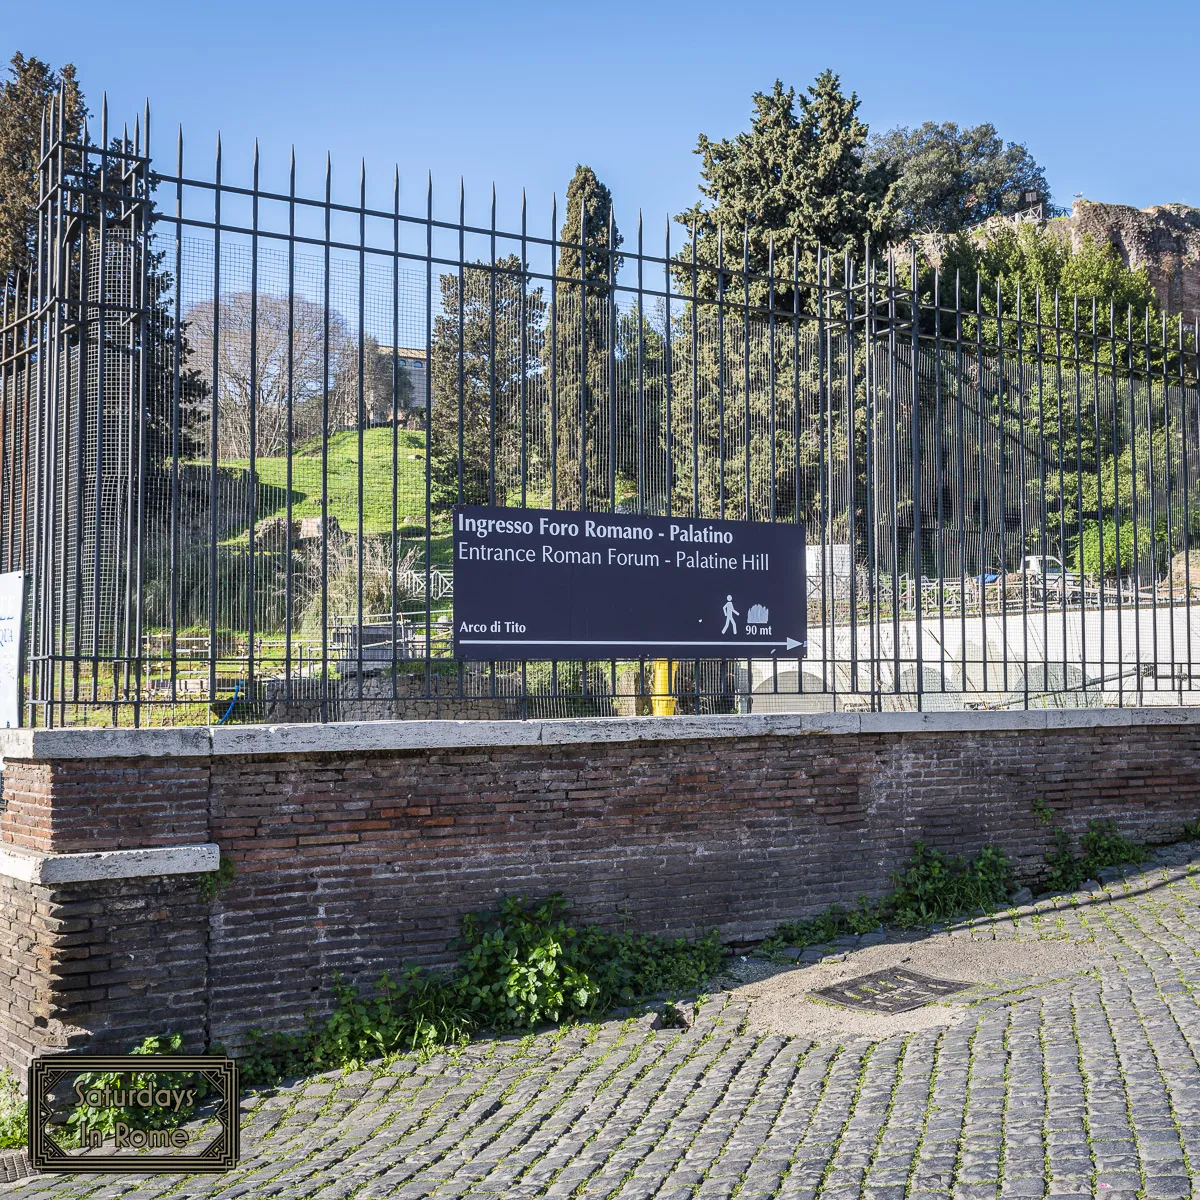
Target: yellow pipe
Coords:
[[662, 702]]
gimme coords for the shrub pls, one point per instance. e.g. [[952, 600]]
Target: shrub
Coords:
[[518, 966], [1088, 558], [936, 887]]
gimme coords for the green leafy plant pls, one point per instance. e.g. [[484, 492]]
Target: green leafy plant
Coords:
[[519, 966], [1063, 869], [935, 886], [270, 1057], [104, 1117], [523, 964], [417, 1012], [673, 1017], [14, 1113], [931, 887], [833, 923], [1100, 845], [213, 881], [1191, 830], [864, 916]]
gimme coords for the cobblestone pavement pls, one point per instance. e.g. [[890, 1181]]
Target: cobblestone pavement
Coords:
[[1085, 1085]]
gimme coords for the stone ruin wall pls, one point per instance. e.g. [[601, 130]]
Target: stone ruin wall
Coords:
[[1164, 239]]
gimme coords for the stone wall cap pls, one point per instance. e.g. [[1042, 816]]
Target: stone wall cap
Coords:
[[33, 866], [359, 737], [94, 742]]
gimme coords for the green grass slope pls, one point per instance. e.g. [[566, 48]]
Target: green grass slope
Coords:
[[343, 467]]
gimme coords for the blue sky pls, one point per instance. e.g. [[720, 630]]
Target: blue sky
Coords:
[[518, 93]]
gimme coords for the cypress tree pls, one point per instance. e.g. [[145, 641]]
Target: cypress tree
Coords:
[[584, 340]]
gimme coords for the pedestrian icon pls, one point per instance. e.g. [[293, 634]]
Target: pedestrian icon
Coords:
[[730, 612]]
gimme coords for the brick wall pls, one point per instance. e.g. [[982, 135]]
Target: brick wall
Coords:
[[100, 965], [73, 806], [25, 944], [358, 860]]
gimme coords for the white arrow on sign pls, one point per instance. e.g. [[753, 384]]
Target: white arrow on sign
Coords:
[[788, 644]]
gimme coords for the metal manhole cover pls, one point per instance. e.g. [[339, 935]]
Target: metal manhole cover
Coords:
[[14, 1166], [894, 990]]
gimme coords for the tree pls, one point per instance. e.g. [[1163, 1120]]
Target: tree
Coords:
[[487, 342], [798, 175], [386, 389], [1077, 397], [270, 318], [949, 178], [23, 99], [580, 353], [1028, 264], [794, 183], [642, 471]]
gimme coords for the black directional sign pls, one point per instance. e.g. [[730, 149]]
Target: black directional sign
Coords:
[[531, 583]]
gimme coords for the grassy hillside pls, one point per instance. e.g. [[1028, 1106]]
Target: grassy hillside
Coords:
[[342, 473]]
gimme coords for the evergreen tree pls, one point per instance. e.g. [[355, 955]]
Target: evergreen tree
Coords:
[[641, 413], [487, 340], [798, 175], [23, 99], [589, 199], [580, 354]]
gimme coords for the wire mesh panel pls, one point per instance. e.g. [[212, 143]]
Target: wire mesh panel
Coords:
[[234, 420], [19, 355]]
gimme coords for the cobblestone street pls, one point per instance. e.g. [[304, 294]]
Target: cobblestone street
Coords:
[[1080, 1081]]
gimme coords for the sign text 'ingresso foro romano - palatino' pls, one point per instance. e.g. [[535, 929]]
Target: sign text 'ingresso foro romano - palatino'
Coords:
[[533, 583]]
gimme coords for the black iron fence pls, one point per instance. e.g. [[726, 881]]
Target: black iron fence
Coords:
[[233, 420]]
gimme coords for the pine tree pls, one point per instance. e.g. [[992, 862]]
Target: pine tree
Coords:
[[23, 99], [481, 356], [797, 176]]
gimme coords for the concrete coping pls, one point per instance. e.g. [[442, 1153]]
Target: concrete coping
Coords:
[[32, 866], [357, 737]]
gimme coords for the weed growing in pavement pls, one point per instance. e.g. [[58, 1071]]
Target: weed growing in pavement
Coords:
[[518, 966], [673, 1017], [14, 1113]]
